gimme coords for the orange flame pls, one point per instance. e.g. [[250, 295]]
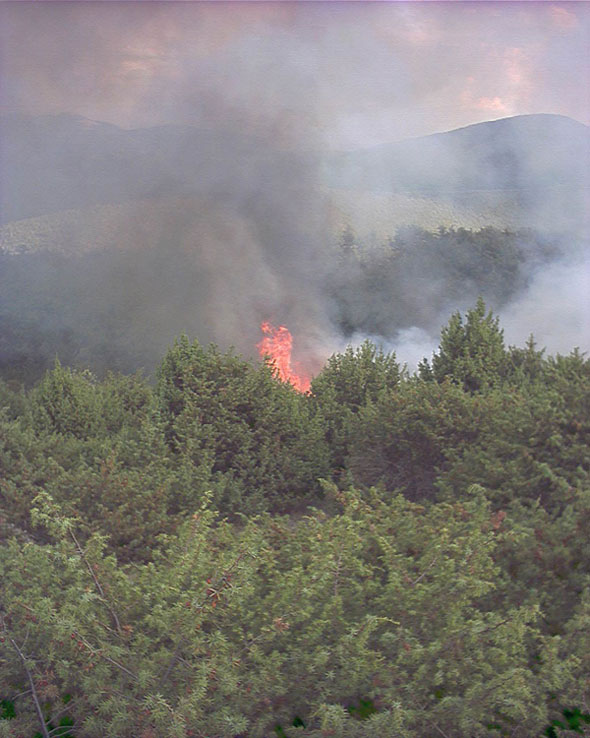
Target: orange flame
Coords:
[[277, 343]]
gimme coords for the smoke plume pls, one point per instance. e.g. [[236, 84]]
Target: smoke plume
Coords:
[[191, 167]]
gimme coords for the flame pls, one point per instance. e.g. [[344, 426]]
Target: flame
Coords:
[[277, 344]]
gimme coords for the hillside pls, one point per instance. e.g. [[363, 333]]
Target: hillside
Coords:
[[525, 171], [378, 215], [65, 162], [510, 154], [522, 171], [127, 225], [179, 229]]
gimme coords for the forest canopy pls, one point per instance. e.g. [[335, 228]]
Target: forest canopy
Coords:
[[115, 308], [215, 554]]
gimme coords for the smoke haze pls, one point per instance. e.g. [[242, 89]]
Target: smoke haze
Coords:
[[357, 74], [173, 167]]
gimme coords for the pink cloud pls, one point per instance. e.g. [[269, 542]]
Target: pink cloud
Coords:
[[504, 85], [517, 66], [562, 18], [493, 104]]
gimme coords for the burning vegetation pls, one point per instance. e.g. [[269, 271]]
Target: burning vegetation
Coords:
[[276, 346]]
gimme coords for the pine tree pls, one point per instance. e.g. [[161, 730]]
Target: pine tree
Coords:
[[471, 351]]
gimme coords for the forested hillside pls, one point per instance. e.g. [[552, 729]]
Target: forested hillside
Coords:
[[215, 554], [418, 275], [116, 306]]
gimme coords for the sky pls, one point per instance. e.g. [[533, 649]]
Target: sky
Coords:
[[338, 75]]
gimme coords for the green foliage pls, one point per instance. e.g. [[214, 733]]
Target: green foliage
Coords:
[[7, 711], [255, 433], [402, 441], [471, 353], [66, 402], [574, 721], [364, 710], [94, 446], [357, 377], [418, 275], [279, 619], [75, 403], [348, 383], [173, 565]]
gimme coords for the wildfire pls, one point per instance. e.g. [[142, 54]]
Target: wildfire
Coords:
[[277, 343]]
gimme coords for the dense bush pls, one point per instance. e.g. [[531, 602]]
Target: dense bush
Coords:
[[221, 556], [257, 435]]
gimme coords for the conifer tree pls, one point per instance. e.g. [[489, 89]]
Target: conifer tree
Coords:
[[471, 351]]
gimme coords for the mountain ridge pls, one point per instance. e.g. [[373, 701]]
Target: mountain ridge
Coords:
[[65, 162], [472, 126], [514, 153]]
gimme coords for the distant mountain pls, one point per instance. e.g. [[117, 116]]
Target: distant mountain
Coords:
[[63, 162], [510, 154], [527, 170], [178, 229]]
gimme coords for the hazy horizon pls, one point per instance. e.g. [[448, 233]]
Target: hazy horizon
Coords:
[[351, 74], [256, 236]]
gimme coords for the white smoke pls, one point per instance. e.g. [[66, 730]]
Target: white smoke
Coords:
[[555, 308]]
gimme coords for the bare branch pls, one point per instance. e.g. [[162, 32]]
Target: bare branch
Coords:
[[68, 706], [337, 573], [33, 690], [96, 582], [20, 694], [432, 563], [98, 652], [61, 730], [440, 730]]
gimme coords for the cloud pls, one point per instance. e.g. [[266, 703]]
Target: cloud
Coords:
[[510, 87], [355, 74], [517, 66], [562, 18], [493, 105], [109, 61]]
